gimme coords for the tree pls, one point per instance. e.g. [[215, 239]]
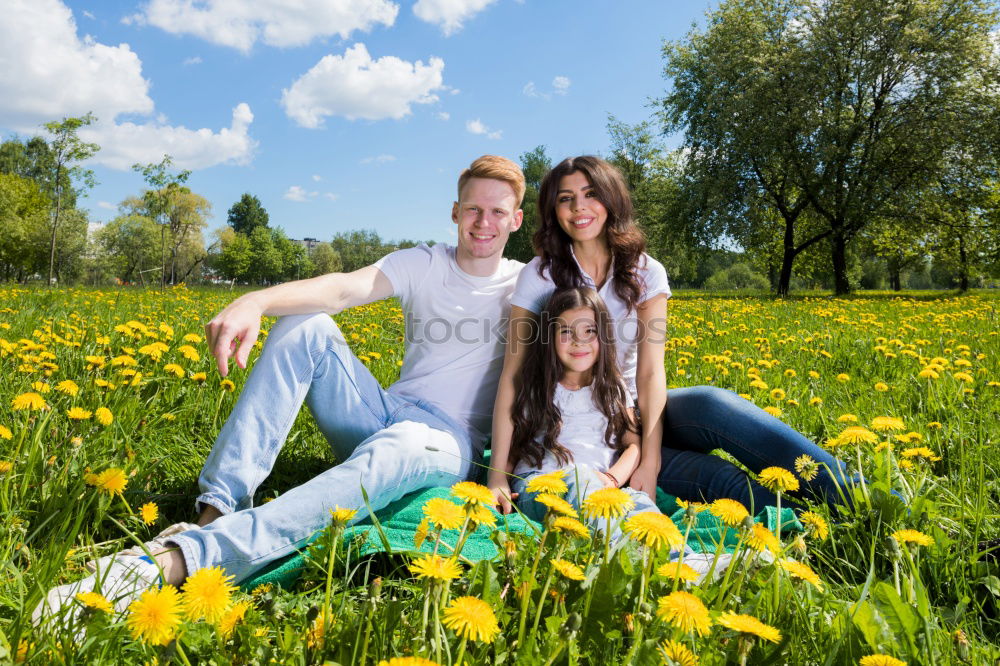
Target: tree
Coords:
[[234, 254], [247, 214], [358, 249], [23, 212], [266, 259], [535, 164], [158, 198], [325, 260], [842, 107], [67, 150], [129, 241]]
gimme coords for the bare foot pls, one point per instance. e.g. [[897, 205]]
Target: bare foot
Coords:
[[208, 514]]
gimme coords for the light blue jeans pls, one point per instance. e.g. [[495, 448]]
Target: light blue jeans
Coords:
[[388, 444], [582, 480]]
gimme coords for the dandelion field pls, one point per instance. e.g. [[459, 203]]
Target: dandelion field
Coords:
[[109, 403]]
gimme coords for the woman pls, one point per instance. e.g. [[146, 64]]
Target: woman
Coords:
[[587, 238]]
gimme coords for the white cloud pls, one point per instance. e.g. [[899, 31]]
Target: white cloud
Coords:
[[88, 14], [530, 90], [239, 24], [442, 115], [125, 144], [297, 193], [379, 159], [194, 60], [356, 86], [449, 15], [316, 177], [478, 127], [560, 85], [47, 72], [330, 195], [106, 205]]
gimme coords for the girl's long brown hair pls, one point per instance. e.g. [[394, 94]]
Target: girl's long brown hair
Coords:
[[625, 239], [535, 412]]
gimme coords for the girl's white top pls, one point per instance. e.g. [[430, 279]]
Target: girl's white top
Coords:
[[533, 291], [582, 432]]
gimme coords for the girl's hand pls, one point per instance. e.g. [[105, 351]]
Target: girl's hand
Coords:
[[502, 497], [644, 479], [608, 481]]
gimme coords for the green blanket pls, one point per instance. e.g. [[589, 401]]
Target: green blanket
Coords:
[[399, 521]]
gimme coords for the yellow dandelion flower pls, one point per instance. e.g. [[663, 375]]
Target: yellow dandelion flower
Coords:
[[928, 373], [32, 401], [678, 653], [192, 338], [920, 452], [843, 377], [5, 466], [556, 504], [778, 479], [678, 569], [759, 384], [472, 493], [41, 387], [198, 377], [78, 414], [149, 512], [436, 567], [729, 511], [935, 425], [342, 516], [567, 569], [420, 535], [112, 481], [815, 401], [174, 369], [551, 482], [94, 362], [95, 600], [777, 394], [774, 411], [790, 373], [912, 536], [887, 423], [684, 611], [806, 467], [68, 387], [207, 593], [813, 374], [103, 416], [881, 387], [748, 624], [816, 523], [654, 530], [232, 617], [443, 513], [857, 435], [408, 661], [155, 616], [880, 660], [570, 526], [189, 352], [227, 385], [802, 571], [124, 360], [607, 503], [760, 538], [481, 514], [847, 418], [5, 432], [964, 377]]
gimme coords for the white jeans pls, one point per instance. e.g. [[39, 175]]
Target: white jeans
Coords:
[[389, 444]]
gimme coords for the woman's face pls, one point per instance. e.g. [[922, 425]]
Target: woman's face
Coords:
[[578, 210]]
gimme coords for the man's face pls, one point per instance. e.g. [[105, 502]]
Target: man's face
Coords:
[[486, 214]]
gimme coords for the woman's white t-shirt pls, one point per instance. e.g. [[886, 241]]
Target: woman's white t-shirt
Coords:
[[532, 292], [582, 432]]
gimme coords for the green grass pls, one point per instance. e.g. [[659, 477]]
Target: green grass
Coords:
[[876, 596]]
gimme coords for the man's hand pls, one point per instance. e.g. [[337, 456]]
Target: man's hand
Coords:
[[502, 497], [644, 479], [239, 321]]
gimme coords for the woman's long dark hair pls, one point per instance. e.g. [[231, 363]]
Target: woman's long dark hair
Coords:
[[625, 239], [535, 412]]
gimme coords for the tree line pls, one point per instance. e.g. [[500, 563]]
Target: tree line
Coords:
[[829, 143]]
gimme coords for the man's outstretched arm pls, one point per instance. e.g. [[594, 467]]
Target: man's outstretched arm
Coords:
[[332, 293]]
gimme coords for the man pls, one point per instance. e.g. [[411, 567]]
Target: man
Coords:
[[427, 429]]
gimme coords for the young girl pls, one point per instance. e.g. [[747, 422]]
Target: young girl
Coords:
[[572, 410]]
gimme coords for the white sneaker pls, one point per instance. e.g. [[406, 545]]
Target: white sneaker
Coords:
[[702, 563], [123, 581], [158, 542]]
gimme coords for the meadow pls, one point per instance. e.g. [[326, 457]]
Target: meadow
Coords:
[[109, 403]]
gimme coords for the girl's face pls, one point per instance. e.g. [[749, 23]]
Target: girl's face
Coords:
[[578, 210], [577, 343]]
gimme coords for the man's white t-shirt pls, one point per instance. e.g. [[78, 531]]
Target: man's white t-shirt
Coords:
[[456, 326], [533, 291], [582, 432]]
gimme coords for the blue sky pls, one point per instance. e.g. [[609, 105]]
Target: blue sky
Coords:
[[358, 116]]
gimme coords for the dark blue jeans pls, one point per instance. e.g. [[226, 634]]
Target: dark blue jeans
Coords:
[[700, 419]]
